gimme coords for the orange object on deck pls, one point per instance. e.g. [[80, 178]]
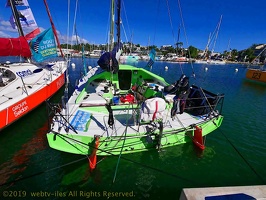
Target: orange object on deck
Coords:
[[198, 139], [93, 156]]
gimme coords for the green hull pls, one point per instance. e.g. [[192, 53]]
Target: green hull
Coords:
[[137, 126], [78, 144]]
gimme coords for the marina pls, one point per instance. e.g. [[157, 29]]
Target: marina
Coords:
[[120, 120], [234, 155]]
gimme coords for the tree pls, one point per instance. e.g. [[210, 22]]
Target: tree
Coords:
[[234, 54], [250, 54], [193, 52]]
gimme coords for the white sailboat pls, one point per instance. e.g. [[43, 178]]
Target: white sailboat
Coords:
[[209, 59], [24, 85]]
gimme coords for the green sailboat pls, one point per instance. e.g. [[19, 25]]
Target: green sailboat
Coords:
[[119, 109], [132, 110]]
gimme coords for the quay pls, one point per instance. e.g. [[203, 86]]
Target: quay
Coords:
[[257, 192]]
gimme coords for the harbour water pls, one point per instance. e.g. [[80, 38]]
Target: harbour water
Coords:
[[235, 154]]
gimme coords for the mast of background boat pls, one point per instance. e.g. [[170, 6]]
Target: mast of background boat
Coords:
[[229, 49], [65, 97], [112, 21], [217, 32], [53, 27]]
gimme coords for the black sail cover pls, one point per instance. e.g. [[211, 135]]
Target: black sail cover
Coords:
[[109, 60]]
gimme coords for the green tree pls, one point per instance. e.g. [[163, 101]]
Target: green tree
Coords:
[[234, 54], [193, 52], [250, 54]]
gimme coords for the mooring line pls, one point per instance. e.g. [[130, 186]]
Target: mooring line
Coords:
[[248, 164]]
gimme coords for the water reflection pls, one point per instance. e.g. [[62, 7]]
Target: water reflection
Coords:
[[12, 170]]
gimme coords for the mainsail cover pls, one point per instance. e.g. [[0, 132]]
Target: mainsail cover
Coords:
[[14, 47], [43, 46], [109, 60]]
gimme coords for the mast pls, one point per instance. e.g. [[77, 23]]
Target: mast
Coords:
[[112, 17], [118, 20], [53, 27], [205, 53], [217, 32], [16, 17]]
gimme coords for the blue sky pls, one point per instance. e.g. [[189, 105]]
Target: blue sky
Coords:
[[154, 22]]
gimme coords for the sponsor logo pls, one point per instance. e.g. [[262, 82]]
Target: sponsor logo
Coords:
[[20, 108], [25, 73]]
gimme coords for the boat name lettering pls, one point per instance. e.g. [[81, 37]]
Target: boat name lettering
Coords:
[[60, 82], [20, 108], [24, 73]]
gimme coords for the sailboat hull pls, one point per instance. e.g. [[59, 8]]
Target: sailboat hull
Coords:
[[22, 95], [132, 143], [104, 107], [256, 75]]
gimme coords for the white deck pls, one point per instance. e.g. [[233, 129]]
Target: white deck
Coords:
[[16, 90], [238, 192], [98, 122]]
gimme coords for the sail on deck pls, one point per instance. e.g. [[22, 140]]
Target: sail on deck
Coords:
[[14, 47]]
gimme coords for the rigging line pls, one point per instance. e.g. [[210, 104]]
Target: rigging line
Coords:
[[256, 57], [124, 8], [74, 21], [55, 168], [62, 117], [68, 23], [81, 20], [76, 34], [169, 14], [108, 28], [119, 157], [134, 162], [249, 165], [155, 31], [217, 32], [75, 161], [41, 172], [206, 99], [67, 58], [185, 33], [124, 31]]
